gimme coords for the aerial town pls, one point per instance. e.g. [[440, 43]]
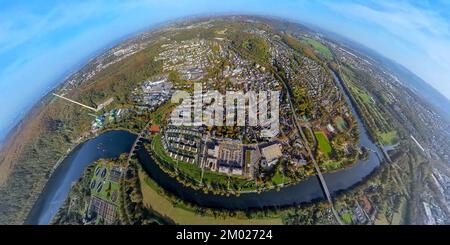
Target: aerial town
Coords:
[[313, 113], [349, 142], [241, 151]]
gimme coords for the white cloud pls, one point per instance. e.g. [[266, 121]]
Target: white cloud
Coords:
[[423, 30], [20, 26]]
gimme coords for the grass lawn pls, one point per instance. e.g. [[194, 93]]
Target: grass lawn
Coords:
[[381, 220], [397, 218], [371, 110], [210, 177], [341, 124], [158, 149], [363, 95], [324, 143], [161, 113], [247, 157], [278, 178], [320, 47], [366, 99], [389, 138], [347, 218], [181, 214], [331, 165]]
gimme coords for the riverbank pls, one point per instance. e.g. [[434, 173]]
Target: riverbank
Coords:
[[107, 145], [155, 199], [113, 143], [306, 191]]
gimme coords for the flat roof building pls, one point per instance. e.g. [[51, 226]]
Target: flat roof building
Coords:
[[272, 153]]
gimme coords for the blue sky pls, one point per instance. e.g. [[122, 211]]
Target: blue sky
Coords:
[[42, 41]]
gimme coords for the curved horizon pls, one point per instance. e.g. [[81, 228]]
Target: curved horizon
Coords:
[[38, 41]]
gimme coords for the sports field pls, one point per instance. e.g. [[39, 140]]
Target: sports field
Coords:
[[323, 143]]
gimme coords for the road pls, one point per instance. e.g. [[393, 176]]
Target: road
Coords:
[[310, 152], [130, 154], [100, 107], [75, 102]]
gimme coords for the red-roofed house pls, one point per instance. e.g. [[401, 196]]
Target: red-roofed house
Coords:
[[154, 129]]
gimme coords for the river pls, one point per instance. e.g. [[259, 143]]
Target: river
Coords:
[[107, 145], [113, 143]]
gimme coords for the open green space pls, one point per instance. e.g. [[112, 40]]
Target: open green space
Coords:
[[247, 157], [323, 143], [374, 115], [388, 138], [278, 178], [158, 149], [365, 97], [347, 218], [159, 116], [155, 198], [331, 165], [323, 50], [341, 124]]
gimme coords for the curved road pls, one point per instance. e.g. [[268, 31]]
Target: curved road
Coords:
[[310, 152]]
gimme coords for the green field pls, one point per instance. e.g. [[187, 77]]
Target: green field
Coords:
[[388, 138], [155, 198], [341, 124], [347, 218], [323, 143], [323, 50], [332, 165], [159, 116], [363, 95], [247, 157], [365, 99], [158, 149], [278, 178], [375, 117]]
